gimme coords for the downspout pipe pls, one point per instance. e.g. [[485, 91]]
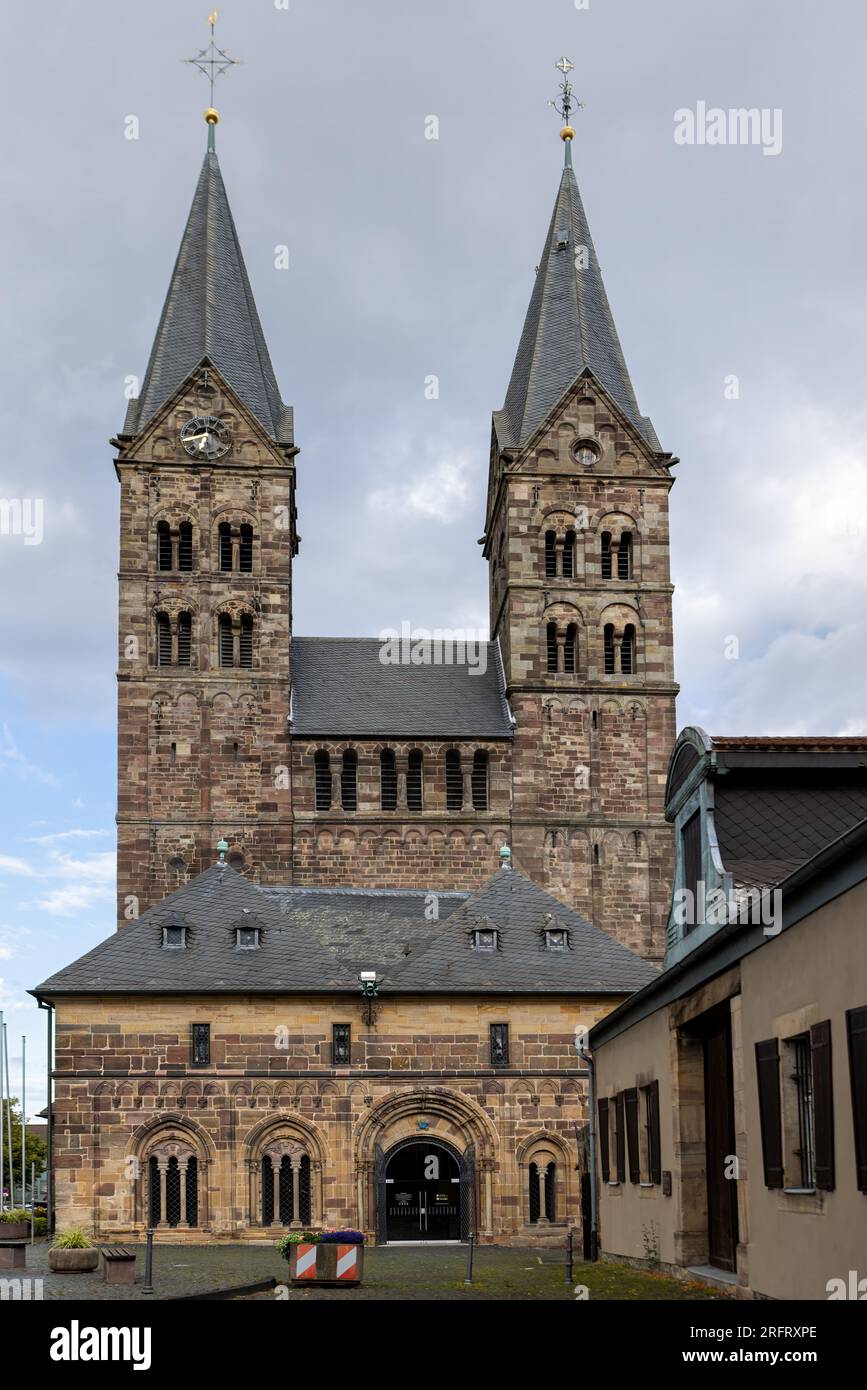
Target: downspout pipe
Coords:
[[587, 1058]]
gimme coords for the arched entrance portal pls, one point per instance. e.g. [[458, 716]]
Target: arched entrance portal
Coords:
[[424, 1193]]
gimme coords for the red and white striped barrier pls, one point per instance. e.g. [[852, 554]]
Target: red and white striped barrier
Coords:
[[305, 1266], [347, 1261]]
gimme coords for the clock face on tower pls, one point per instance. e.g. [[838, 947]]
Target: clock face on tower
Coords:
[[205, 436]]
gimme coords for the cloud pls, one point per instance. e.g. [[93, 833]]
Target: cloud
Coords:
[[56, 835], [435, 493], [83, 884], [14, 761]]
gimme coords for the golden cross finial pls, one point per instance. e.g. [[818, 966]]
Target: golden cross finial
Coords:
[[565, 104], [212, 61]]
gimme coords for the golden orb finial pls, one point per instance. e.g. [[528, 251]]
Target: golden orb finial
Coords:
[[212, 116], [567, 133]]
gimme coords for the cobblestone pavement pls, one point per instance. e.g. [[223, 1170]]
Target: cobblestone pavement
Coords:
[[407, 1272]]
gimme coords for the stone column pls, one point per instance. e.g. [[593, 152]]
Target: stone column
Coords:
[[182, 1174], [296, 1191], [162, 1164], [540, 1178]]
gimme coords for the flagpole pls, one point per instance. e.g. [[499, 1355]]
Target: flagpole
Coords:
[[23, 1119], [2, 1119]]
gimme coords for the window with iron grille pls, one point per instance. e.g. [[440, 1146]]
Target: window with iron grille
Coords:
[[185, 639], [550, 1175], [247, 938], [627, 651], [227, 648], [286, 1196], [164, 640], [349, 780], [570, 649], [388, 780], [499, 1044], [556, 939], [245, 550], [225, 535], [454, 781], [551, 642], [164, 546], [608, 648], [174, 938], [415, 780], [322, 779], [201, 1044], [245, 643], [550, 554], [804, 1133], [485, 939], [624, 556], [185, 547], [341, 1044], [569, 555], [480, 780], [606, 554], [533, 1194]]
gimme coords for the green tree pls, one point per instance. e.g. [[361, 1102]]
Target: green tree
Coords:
[[35, 1152]]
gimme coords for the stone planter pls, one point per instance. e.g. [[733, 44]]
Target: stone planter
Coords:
[[14, 1230], [327, 1263], [73, 1261]]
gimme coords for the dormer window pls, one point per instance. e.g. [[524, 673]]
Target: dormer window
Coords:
[[174, 938], [247, 938], [556, 939], [485, 939]]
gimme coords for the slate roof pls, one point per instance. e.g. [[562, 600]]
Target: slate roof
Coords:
[[315, 940], [341, 688], [209, 312], [569, 327]]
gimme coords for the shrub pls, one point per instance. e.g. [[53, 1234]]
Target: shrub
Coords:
[[11, 1217], [76, 1238], [40, 1226]]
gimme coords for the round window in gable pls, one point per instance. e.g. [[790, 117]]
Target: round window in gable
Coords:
[[177, 864], [236, 861], [585, 452]]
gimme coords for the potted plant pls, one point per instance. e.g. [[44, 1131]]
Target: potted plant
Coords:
[[324, 1257], [15, 1224], [73, 1251]]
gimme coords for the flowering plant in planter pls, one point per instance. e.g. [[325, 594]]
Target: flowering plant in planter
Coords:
[[285, 1243]]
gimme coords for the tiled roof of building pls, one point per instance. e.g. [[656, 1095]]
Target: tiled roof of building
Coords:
[[342, 688], [569, 327], [316, 940], [209, 312]]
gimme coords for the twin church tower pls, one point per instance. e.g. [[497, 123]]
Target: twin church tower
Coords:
[[310, 759]]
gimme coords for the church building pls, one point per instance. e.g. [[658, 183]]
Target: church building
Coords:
[[366, 905]]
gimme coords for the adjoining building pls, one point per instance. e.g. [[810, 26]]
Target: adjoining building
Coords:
[[732, 1089], [242, 1060]]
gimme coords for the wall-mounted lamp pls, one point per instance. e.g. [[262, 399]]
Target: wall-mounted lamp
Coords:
[[369, 991]]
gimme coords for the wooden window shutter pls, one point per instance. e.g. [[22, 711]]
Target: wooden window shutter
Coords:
[[823, 1103], [856, 1028], [655, 1147], [621, 1137], [768, 1074], [603, 1138], [630, 1098]]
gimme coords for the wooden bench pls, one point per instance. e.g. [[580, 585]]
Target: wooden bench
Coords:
[[118, 1264], [13, 1254]]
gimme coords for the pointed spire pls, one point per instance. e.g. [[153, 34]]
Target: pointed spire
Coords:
[[210, 312], [569, 326]]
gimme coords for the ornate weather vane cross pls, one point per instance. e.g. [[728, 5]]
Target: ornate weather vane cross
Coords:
[[565, 104], [213, 62]]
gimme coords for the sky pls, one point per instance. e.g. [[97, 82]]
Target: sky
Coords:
[[735, 273]]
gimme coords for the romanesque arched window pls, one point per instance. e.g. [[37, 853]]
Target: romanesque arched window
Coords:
[[322, 779], [286, 1190], [569, 555], [570, 649], [551, 646], [388, 780], [245, 642], [185, 547], [164, 545], [415, 780], [224, 533], [550, 554], [624, 556], [164, 640], [349, 780], [541, 1189], [227, 644], [608, 648], [173, 1185], [606, 555], [185, 639], [480, 780], [454, 781], [627, 650], [245, 549]]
